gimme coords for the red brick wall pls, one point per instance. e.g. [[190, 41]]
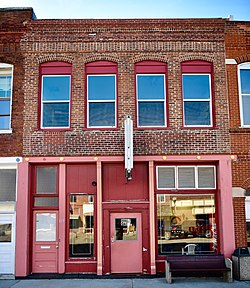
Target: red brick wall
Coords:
[[237, 42], [125, 42], [11, 31]]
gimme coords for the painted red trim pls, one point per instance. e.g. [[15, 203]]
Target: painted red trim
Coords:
[[99, 67], [151, 67], [199, 66], [53, 68]]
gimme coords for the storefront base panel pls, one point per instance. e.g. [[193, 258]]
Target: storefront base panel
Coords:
[[81, 267], [160, 266]]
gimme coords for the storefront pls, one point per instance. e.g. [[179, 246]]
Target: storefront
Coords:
[[82, 215], [8, 176]]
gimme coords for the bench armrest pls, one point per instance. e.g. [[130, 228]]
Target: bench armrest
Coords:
[[168, 273], [229, 274]]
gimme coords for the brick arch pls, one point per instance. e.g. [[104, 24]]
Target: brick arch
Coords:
[[53, 58], [246, 183], [243, 58], [194, 57], [141, 58], [96, 58]]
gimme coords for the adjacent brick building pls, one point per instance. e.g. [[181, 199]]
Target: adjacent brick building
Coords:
[[238, 74]]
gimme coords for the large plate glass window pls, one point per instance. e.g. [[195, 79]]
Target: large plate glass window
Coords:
[[81, 226], [244, 90], [151, 100], [101, 100], [6, 76], [55, 101], [197, 103], [186, 224]]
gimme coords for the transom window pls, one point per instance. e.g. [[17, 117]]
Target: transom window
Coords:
[[6, 71], [185, 177], [244, 90], [101, 100], [151, 100], [197, 94]]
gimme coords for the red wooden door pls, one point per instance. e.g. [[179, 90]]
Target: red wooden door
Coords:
[[45, 242], [126, 243]]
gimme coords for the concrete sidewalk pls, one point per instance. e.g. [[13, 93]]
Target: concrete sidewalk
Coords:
[[123, 283]]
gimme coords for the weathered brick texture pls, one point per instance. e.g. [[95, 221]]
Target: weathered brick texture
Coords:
[[12, 29], [237, 41], [125, 42]]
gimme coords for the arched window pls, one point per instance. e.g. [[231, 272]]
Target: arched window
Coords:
[[6, 80], [55, 95], [151, 95], [101, 94], [244, 91], [197, 93]]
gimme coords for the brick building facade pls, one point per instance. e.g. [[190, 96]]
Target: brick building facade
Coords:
[[238, 58], [76, 210]]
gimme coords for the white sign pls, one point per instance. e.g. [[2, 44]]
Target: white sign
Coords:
[[128, 147]]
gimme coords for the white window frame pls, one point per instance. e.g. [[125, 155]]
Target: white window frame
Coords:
[[195, 175], [198, 100], [10, 67], [56, 101], [242, 66], [151, 100], [101, 101]]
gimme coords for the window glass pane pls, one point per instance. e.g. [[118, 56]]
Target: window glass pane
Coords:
[[206, 177], [5, 86], [5, 107], [196, 87], [186, 177], [5, 232], [245, 81], [197, 113], [7, 184], [81, 226], [4, 122], [46, 201], [56, 88], [101, 87], [166, 177], [46, 178], [56, 115], [125, 229], [46, 227], [186, 225], [150, 87], [246, 109], [151, 113], [248, 234], [102, 114]]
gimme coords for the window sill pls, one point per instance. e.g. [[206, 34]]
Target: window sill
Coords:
[[9, 131]]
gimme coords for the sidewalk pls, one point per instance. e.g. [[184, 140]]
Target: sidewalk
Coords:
[[124, 283]]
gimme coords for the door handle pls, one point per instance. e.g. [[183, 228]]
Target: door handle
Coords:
[[57, 246], [144, 249]]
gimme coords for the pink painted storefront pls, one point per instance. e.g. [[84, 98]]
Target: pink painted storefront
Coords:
[[86, 217]]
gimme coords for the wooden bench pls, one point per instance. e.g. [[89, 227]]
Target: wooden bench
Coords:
[[198, 263]]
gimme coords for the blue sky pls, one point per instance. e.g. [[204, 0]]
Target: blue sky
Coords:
[[55, 9]]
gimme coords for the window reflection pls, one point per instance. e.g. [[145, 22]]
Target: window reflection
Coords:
[[248, 234], [184, 220], [81, 226], [125, 229], [5, 232]]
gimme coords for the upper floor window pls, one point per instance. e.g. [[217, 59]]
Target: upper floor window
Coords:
[[151, 94], [101, 94], [244, 90], [55, 95], [197, 93], [6, 75]]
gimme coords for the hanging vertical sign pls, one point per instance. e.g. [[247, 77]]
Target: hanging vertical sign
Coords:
[[128, 147]]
